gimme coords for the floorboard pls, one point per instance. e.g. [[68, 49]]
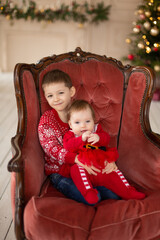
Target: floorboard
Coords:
[[8, 123]]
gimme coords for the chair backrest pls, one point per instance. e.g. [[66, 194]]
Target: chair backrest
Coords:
[[103, 82], [97, 83]]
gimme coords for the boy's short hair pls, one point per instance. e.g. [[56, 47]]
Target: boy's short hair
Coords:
[[57, 76], [79, 105]]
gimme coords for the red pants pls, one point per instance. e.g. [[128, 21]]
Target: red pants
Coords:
[[115, 181]]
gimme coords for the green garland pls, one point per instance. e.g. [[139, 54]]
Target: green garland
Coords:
[[80, 13]]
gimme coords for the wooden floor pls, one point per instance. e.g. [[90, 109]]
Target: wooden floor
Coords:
[[8, 123]]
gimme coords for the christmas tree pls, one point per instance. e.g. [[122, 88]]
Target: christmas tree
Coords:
[[144, 41]]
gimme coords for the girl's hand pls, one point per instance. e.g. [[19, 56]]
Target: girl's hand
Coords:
[[93, 138], [89, 169], [85, 136], [110, 167]]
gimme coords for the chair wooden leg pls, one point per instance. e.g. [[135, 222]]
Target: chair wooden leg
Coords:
[[19, 208]]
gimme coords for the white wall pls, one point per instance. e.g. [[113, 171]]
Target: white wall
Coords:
[[27, 41]]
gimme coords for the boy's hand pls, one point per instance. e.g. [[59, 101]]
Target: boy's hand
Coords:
[[89, 169], [93, 138], [110, 167], [85, 136]]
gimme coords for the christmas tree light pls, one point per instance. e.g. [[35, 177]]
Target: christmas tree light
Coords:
[[144, 41]]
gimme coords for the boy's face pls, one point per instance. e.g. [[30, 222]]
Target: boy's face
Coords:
[[58, 96], [81, 122]]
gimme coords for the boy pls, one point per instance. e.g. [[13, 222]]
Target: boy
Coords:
[[58, 91]]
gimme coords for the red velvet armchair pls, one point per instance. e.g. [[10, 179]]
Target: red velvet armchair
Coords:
[[121, 98]]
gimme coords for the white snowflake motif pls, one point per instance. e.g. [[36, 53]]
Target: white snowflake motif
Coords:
[[56, 168], [46, 147], [62, 156], [60, 139]]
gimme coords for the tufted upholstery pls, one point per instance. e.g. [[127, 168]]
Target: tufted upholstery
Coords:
[[47, 213], [97, 83]]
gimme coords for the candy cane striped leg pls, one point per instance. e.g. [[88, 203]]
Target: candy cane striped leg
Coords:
[[83, 183], [116, 182], [123, 179]]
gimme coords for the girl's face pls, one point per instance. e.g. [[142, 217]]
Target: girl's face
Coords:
[[58, 96], [81, 121]]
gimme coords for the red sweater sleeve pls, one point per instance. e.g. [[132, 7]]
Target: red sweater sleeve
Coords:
[[111, 153], [72, 143], [104, 136]]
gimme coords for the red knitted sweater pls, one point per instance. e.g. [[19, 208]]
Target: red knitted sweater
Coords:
[[51, 130]]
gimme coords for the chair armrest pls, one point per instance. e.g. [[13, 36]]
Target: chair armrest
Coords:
[[15, 164]]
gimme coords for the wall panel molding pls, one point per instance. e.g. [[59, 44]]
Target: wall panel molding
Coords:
[[28, 41]]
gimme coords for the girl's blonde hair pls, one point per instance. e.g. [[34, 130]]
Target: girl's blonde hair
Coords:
[[79, 105]]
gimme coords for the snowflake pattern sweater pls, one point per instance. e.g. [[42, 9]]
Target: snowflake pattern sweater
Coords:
[[51, 130]]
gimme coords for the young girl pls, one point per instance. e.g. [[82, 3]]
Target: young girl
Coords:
[[90, 142]]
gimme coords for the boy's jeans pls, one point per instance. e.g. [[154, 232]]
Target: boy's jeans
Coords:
[[68, 188]]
